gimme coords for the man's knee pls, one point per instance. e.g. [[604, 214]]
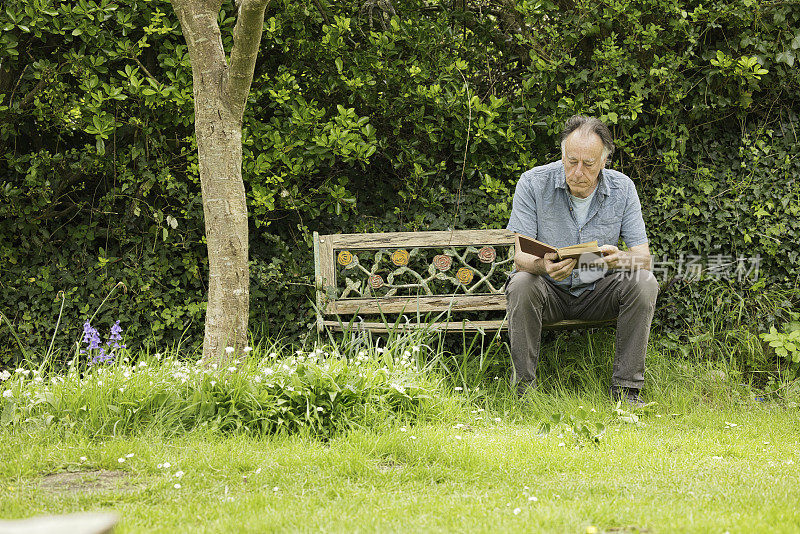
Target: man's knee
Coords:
[[643, 287], [526, 287]]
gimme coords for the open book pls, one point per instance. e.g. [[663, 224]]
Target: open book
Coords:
[[537, 248]]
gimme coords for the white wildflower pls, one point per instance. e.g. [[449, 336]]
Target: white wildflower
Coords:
[[247, 349], [403, 429], [130, 455], [8, 394], [121, 460], [178, 474], [229, 350], [83, 458], [320, 409], [517, 511], [167, 465], [177, 486]]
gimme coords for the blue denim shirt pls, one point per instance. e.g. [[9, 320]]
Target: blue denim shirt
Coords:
[[542, 210]]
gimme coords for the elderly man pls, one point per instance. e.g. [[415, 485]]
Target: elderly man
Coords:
[[567, 202]]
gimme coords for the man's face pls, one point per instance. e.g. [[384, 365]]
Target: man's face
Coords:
[[583, 159]]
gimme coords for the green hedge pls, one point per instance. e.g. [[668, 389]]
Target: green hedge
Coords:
[[363, 121]]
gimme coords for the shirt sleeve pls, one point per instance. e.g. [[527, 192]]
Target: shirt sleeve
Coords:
[[523, 218], [633, 231]]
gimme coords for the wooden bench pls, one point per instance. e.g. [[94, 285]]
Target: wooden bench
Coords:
[[428, 278]]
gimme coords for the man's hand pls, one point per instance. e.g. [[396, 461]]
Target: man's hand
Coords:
[[611, 256], [556, 270], [637, 257]]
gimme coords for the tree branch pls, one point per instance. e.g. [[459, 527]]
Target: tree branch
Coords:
[[246, 42], [51, 214], [323, 12], [203, 38], [147, 72]]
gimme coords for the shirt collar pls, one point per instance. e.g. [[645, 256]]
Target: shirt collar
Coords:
[[602, 183]]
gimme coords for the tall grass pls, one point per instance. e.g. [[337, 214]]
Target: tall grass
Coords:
[[273, 389]]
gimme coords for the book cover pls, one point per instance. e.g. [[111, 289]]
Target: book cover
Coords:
[[538, 248]]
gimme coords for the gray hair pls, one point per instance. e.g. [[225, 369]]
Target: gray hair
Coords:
[[589, 124]]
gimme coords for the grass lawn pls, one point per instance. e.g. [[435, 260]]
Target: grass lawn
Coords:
[[688, 466]]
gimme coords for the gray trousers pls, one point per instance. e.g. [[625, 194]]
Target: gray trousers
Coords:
[[628, 296]]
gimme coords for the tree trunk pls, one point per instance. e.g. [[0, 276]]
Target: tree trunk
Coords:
[[219, 143], [220, 94]]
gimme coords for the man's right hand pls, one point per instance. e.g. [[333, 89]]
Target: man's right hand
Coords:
[[556, 270]]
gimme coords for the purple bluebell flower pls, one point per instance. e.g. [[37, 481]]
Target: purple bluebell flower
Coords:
[[92, 338], [116, 336]]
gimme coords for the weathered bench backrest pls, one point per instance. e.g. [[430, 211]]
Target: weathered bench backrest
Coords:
[[409, 272]]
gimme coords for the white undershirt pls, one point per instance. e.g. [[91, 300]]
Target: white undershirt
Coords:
[[581, 207]]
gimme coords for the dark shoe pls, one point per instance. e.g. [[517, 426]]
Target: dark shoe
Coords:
[[523, 387], [628, 396]]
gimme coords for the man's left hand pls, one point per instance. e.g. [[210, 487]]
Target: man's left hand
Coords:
[[635, 258], [612, 256]]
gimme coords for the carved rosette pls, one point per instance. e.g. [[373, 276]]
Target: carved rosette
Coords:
[[464, 275], [442, 262], [400, 257], [345, 258], [375, 281], [487, 254]]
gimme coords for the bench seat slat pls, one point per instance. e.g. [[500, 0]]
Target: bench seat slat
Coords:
[[436, 303], [451, 326]]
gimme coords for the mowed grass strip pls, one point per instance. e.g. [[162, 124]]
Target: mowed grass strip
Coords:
[[706, 469]]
